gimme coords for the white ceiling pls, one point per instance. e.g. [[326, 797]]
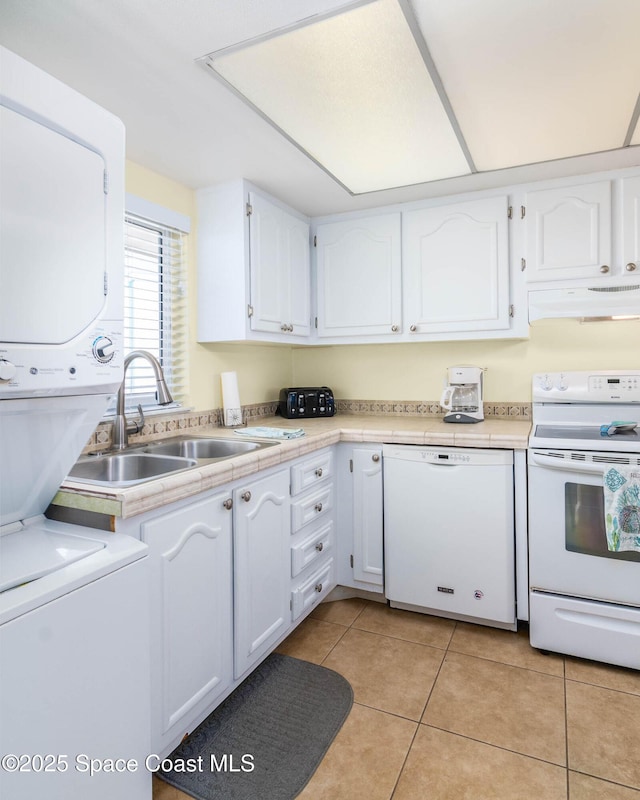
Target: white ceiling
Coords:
[[528, 80]]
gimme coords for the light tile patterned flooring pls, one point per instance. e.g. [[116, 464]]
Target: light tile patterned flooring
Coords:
[[446, 710]]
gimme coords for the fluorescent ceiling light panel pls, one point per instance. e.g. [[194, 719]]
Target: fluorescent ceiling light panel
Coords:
[[353, 92], [536, 81]]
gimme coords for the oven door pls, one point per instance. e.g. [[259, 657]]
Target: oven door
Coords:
[[568, 552]]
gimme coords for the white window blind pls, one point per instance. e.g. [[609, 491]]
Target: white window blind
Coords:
[[155, 312]]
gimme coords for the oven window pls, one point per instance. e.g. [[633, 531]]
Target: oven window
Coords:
[[584, 523]]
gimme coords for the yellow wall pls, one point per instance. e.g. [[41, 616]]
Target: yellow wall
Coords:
[[262, 369], [384, 372], [416, 371]]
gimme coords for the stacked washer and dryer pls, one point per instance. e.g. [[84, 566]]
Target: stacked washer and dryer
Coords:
[[74, 633]]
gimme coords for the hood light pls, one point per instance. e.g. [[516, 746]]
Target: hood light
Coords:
[[609, 319]]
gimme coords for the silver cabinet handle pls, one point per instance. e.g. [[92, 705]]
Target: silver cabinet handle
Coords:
[[228, 504], [283, 328], [320, 547], [375, 457], [394, 328], [318, 507], [413, 328], [604, 269], [246, 496], [319, 472], [631, 267], [318, 587]]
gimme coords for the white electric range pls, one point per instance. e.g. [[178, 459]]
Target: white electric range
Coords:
[[584, 598]]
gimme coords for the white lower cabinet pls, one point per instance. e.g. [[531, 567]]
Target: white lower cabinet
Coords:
[[367, 515], [360, 516], [191, 580], [232, 574], [312, 529], [311, 547], [262, 567], [308, 594]]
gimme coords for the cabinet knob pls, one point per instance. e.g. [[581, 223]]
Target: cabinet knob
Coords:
[[604, 269], [375, 457], [320, 547], [319, 472], [318, 587], [228, 504], [318, 507], [283, 328], [246, 496], [413, 328], [394, 328], [631, 267]]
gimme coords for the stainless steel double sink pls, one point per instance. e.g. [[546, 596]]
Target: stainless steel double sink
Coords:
[[147, 462]]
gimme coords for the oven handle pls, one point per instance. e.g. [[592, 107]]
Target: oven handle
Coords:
[[568, 465]]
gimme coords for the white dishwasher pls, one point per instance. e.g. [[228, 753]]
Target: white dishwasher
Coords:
[[449, 544]]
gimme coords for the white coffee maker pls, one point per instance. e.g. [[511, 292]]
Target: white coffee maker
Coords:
[[462, 396]]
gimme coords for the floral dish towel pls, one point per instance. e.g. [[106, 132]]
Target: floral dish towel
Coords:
[[622, 508]]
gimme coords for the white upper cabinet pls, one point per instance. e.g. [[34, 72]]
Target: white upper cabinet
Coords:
[[568, 232], [359, 280], [279, 257], [630, 255], [456, 267], [253, 267]]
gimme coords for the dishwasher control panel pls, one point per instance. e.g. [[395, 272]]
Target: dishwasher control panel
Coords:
[[447, 456]]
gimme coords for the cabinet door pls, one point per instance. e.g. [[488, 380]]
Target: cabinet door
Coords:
[[262, 567], [367, 515], [456, 262], [269, 289], [280, 268], [191, 659], [296, 237], [359, 278], [631, 226], [568, 232]]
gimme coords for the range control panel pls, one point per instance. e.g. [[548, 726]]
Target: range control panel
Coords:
[[605, 386]]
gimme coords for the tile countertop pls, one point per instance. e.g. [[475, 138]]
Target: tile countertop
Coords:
[[133, 500]]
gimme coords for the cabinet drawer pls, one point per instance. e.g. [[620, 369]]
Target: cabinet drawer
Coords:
[[308, 594], [311, 506], [312, 548], [311, 471]]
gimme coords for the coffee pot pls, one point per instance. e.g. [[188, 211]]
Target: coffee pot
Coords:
[[462, 396]]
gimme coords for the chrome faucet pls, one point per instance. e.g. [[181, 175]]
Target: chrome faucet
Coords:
[[121, 426]]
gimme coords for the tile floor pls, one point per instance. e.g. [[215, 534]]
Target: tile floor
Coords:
[[450, 711]]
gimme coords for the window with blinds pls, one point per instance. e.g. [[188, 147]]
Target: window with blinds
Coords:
[[154, 309]]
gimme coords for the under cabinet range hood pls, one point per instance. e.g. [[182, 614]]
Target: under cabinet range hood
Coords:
[[588, 303]]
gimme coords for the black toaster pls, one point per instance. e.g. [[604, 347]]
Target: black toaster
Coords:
[[302, 402]]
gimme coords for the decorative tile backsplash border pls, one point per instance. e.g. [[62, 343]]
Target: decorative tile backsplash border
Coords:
[[179, 422], [427, 408]]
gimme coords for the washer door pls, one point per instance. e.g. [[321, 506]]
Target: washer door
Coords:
[[52, 234]]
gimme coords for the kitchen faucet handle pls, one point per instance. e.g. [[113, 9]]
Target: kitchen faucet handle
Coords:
[[140, 422], [136, 425]]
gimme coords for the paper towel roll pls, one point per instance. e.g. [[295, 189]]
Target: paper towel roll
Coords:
[[231, 399]]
